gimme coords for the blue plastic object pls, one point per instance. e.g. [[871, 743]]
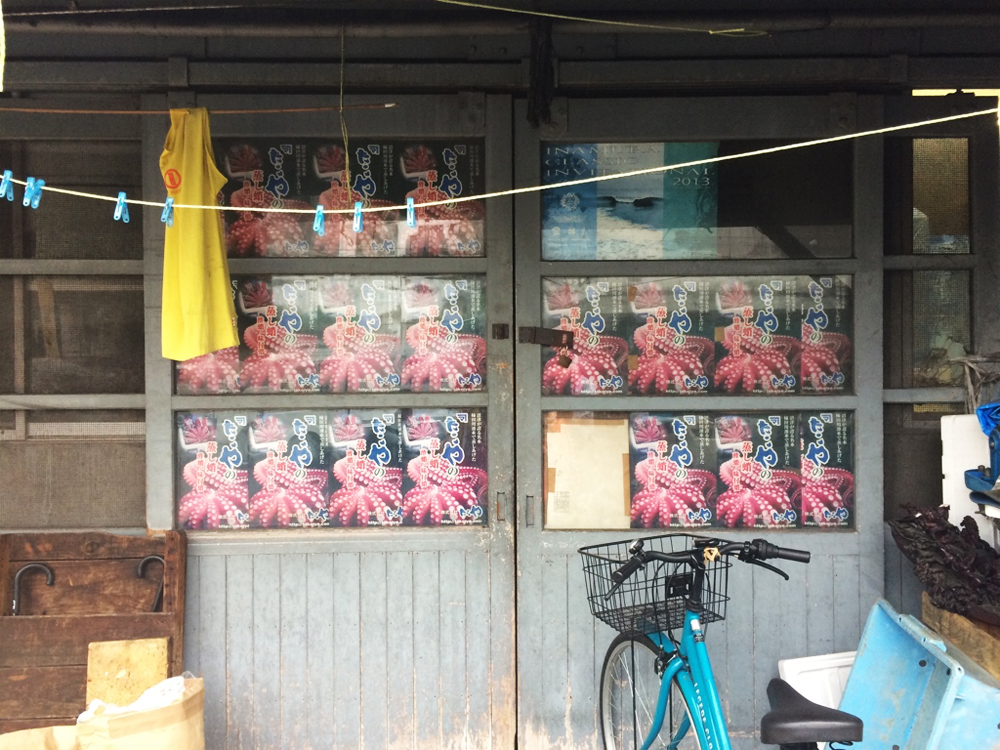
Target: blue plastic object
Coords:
[[916, 691]]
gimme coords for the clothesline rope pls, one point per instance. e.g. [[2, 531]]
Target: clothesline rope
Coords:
[[536, 188]]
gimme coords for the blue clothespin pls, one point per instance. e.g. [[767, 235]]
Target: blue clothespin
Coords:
[[359, 221], [319, 223], [6, 186], [167, 217], [121, 208], [33, 192], [411, 213]]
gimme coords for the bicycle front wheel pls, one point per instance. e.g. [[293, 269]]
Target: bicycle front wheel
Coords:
[[630, 686]]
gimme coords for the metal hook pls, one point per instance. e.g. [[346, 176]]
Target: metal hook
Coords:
[[49, 580], [140, 572]]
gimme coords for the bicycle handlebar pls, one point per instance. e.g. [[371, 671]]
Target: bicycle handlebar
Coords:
[[754, 552]]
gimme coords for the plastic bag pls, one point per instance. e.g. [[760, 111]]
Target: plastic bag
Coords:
[[179, 725]]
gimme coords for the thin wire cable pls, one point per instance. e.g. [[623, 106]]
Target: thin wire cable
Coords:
[[343, 122], [540, 188], [276, 110], [607, 22]]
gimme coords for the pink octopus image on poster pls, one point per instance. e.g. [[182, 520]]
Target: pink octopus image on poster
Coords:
[[673, 477], [827, 311], [367, 474], [443, 322], [594, 310], [434, 172], [360, 348], [445, 480], [759, 349], [212, 482], [277, 320], [288, 477], [215, 372], [759, 476], [827, 447], [671, 350]]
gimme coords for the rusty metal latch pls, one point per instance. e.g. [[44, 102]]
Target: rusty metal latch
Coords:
[[555, 337]]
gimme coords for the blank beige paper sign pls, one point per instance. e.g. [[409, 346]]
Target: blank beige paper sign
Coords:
[[120, 671], [586, 472]]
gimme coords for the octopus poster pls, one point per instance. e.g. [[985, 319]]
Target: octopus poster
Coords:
[[827, 313], [212, 470], [304, 173], [445, 480], [758, 470], [827, 451], [598, 313], [674, 470], [360, 347], [278, 322], [289, 458], [757, 337], [671, 347], [667, 214], [367, 470], [215, 372], [444, 324]]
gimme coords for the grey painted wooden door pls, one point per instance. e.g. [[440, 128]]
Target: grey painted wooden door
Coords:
[[821, 610], [348, 638]]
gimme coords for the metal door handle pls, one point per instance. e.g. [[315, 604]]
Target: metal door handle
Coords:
[[529, 510]]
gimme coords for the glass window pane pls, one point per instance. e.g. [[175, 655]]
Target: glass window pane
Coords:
[[652, 336], [927, 325], [70, 227], [766, 206], [616, 470], [913, 455], [927, 196], [73, 334], [72, 469], [303, 173], [317, 468], [350, 333]]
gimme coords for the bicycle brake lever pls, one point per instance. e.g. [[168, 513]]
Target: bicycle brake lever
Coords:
[[773, 569]]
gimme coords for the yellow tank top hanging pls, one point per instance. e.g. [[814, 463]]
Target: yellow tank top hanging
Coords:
[[198, 312]]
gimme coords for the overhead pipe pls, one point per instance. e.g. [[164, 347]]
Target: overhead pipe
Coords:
[[512, 24]]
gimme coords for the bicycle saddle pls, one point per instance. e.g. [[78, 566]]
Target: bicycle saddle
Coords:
[[793, 719]]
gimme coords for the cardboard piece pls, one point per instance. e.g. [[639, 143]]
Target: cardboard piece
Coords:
[[120, 671]]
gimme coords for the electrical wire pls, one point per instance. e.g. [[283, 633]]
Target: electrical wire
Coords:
[[540, 188]]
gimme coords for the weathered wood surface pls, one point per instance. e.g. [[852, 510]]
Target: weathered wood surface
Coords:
[[979, 641], [94, 545], [90, 587], [63, 640], [42, 692]]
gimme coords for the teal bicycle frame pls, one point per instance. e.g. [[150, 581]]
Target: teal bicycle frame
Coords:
[[688, 662]]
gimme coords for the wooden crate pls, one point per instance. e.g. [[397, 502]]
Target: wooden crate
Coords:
[[96, 596], [979, 641]]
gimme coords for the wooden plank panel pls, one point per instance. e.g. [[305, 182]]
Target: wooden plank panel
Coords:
[[479, 630], [453, 636], [90, 587], [849, 618], [62, 641], [87, 545], [266, 656], [376, 695], [740, 648], [239, 647], [319, 677], [581, 648], [6, 576], [793, 637], [427, 655], [819, 600], [174, 596], [769, 625], [555, 668], [192, 617], [213, 648], [293, 653], [346, 650], [42, 692], [399, 621]]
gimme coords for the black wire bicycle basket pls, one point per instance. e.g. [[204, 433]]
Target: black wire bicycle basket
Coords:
[[652, 600]]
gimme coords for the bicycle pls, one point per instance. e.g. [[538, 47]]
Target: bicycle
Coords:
[[651, 678]]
